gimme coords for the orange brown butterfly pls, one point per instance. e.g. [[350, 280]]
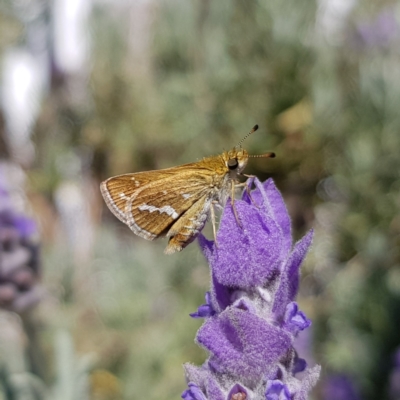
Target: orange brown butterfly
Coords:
[[176, 202]]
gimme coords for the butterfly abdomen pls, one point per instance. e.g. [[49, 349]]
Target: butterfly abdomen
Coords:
[[185, 230]]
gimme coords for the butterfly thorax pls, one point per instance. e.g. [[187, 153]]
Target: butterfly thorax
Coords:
[[229, 164]]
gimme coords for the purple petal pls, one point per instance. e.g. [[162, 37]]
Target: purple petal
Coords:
[[293, 267], [268, 194], [245, 194], [206, 246], [193, 393], [290, 278], [220, 295], [213, 390], [205, 310], [276, 390], [26, 226], [246, 256], [242, 344], [295, 320], [299, 365]]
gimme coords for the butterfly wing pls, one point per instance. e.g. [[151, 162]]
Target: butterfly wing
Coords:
[[150, 202], [118, 190]]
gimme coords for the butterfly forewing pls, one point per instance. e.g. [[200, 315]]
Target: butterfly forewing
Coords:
[[116, 191], [150, 202]]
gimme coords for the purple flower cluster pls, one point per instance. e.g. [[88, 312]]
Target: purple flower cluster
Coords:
[[19, 258], [394, 378], [339, 387], [251, 317], [381, 32]]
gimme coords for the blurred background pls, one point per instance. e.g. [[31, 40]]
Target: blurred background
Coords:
[[95, 88]]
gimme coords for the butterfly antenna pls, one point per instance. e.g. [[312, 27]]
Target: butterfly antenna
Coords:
[[266, 155], [255, 127]]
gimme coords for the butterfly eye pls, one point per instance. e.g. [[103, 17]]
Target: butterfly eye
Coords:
[[233, 163]]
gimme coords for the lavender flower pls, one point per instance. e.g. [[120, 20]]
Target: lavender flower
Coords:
[[394, 378], [19, 266], [381, 32], [339, 387], [251, 315]]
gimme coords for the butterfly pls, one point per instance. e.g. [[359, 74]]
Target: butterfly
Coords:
[[176, 202]]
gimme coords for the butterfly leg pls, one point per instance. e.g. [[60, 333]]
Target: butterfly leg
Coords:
[[185, 229], [233, 203], [213, 221], [248, 191]]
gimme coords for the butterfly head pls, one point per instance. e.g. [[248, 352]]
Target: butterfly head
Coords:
[[236, 160]]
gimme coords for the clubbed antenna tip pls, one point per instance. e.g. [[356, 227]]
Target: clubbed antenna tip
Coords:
[[255, 127], [266, 155]]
